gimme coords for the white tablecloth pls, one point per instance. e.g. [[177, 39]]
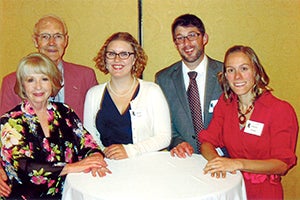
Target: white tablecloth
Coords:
[[154, 176]]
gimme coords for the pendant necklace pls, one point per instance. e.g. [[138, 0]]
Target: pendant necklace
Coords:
[[122, 95], [242, 117]]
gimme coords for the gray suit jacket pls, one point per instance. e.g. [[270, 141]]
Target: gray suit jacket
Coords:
[[171, 82]]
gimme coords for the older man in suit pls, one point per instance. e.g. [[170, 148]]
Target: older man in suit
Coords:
[[51, 38], [190, 39]]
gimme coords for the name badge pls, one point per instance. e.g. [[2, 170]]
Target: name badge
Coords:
[[254, 128], [212, 105], [135, 113]]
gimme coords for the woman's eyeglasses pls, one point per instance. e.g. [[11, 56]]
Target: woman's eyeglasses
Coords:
[[122, 55]]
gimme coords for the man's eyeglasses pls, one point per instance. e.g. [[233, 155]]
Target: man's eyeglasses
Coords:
[[191, 37], [45, 37], [122, 55]]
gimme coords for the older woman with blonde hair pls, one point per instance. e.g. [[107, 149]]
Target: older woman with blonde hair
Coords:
[[42, 141], [126, 115]]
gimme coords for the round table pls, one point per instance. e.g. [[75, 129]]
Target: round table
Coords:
[[154, 176]]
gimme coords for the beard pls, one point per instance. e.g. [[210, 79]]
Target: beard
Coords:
[[192, 58]]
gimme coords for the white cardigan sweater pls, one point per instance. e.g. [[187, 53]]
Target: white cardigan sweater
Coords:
[[150, 118]]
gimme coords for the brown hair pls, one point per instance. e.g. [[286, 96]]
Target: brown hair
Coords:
[[139, 53], [188, 20], [261, 78]]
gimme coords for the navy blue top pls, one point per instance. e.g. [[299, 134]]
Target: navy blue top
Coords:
[[114, 128]]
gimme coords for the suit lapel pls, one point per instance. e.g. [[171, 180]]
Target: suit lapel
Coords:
[[178, 83], [71, 87], [212, 70]]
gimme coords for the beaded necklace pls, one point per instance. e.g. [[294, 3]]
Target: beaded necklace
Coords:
[[242, 117]]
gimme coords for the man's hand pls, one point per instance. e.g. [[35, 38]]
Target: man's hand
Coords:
[[182, 149], [5, 190]]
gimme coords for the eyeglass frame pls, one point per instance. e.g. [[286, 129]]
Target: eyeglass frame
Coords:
[[118, 54], [182, 39], [49, 36]]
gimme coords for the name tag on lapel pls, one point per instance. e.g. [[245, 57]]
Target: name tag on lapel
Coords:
[[212, 105]]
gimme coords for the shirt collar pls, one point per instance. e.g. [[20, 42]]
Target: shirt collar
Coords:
[[60, 67], [200, 69]]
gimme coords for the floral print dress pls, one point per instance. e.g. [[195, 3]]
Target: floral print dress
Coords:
[[32, 161]]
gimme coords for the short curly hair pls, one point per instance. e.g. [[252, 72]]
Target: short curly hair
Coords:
[[139, 53]]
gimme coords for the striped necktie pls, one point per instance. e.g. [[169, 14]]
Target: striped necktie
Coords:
[[195, 105]]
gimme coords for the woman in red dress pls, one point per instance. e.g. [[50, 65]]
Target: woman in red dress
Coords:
[[258, 129]]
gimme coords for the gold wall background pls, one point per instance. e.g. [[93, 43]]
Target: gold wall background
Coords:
[[270, 27]]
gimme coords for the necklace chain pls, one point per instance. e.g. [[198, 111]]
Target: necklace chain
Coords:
[[126, 93], [242, 117]]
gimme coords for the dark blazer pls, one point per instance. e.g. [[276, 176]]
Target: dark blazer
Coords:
[[171, 82], [77, 80]]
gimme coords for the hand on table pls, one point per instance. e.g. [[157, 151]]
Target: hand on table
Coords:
[[218, 167], [102, 171], [182, 149], [94, 163], [5, 190], [115, 151]]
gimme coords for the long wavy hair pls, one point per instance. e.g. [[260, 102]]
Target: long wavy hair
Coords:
[[261, 78], [139, 53]]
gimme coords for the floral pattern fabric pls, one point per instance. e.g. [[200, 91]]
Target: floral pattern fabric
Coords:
[[32, 161]]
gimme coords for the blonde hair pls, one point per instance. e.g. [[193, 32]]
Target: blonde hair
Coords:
[[37, 63], [139, 53]]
